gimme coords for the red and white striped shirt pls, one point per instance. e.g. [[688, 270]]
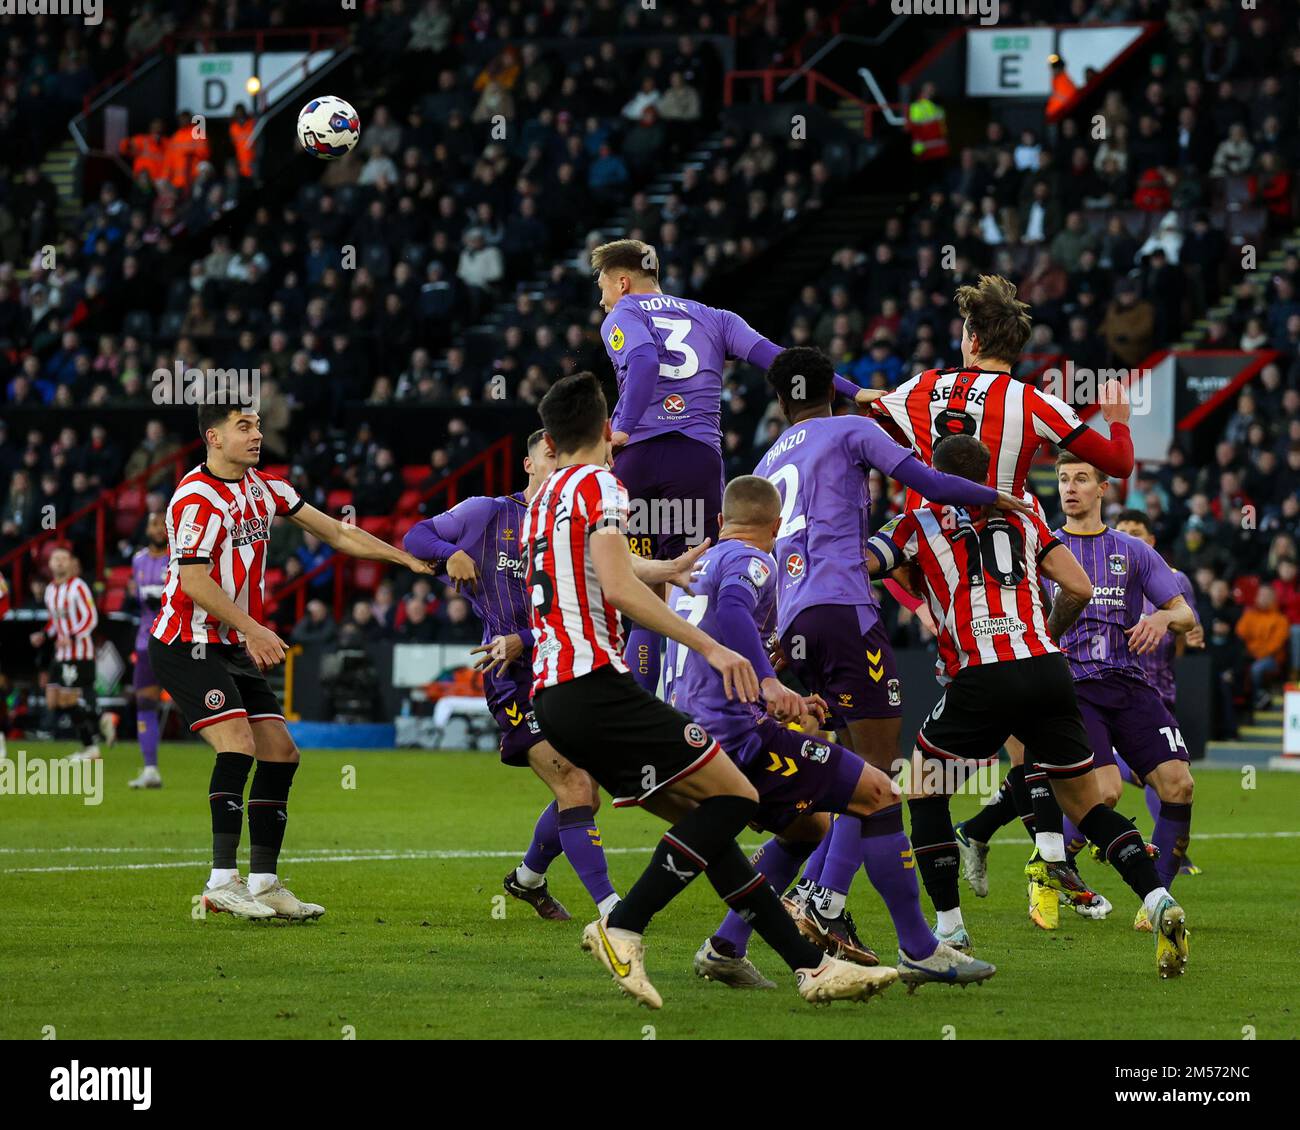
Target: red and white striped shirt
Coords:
[[981, 579], [1012, 419], [73, 618], [575, 629], [225, 523]]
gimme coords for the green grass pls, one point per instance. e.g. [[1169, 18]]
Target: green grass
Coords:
[[411, 947]]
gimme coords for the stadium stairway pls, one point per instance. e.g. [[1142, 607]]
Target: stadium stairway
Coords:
[[1274, 260], [1259, 743], [59, 166]]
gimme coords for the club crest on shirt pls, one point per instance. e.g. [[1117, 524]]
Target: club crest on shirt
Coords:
[[794, 566], [214, 700], [696, 736], [616, 339], [255, 490], [674, 405], [1118, 564]]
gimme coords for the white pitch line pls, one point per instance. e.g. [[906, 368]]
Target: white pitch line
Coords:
[[380, 855]]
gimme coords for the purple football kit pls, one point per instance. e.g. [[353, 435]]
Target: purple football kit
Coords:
[[668, 355], [828, 616], [150, 576], [1158, 665], [1121, 710], [487, 529], [792, 772]]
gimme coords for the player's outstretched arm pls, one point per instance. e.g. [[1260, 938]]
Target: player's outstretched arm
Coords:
[[265, 648], [631, 596], [675, 572], [354, 541], [1075, 590]]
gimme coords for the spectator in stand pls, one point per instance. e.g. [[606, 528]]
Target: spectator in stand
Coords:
[[1129, 326], [418, 626], [311, 554], [1264, 631], [362, 626], [1286, 586], [384, 606], [456, 624], [317, 626], [156, 447]]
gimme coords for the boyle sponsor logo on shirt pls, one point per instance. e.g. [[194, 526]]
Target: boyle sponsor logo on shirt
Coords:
[[997, 626], [508, 564]]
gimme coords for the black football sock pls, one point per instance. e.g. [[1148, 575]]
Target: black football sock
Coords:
[[268, 814], [751, 896], [934, 847], [998, 813], [1123, 848], [685, 851], [1048, 816], [1020, 793], [85, 721], [226, 799]]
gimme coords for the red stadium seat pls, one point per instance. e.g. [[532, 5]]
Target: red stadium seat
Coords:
[[132, 498], [125, 521], [281, 469], [113, 600], [401, 526], [380, 526], [414, 474], [1244, 590], [118, 576], [274, 579], [366, 575], [409, 503], [337, 499]]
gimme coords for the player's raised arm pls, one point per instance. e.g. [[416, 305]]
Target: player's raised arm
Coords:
[[354, 541], [1113, 456], [632, 597], [1074, 593]]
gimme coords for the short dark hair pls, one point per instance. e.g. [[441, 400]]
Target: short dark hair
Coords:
[[798, 364], [1137, 517], [1064, 458], [214, 415], [632, 255], [535, 439], [574, 411], [962, 455]]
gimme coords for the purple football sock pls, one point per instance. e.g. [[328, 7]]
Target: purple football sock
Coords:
[[1126, 774], [1172, 835], [887, 859], [580, 839], [812, 870], [546, 841], [147, 724], [642, 658], [779, 867], [1075, 841], [844, 856]]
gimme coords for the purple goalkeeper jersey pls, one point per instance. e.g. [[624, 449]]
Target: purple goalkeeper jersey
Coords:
[[694, 687], [150, 576], [821, 467], [1126, 574], [1158, 665], [692, 342]]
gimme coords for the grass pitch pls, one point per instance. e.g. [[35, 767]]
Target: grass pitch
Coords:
[[100, 941]]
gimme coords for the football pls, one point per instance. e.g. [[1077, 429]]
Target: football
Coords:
[[328, 128]]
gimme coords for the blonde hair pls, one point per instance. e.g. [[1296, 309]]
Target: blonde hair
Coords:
[[631, 255]]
